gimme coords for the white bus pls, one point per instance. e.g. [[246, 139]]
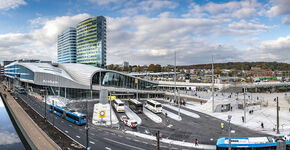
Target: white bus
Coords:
[[154, 106], [119, 105]]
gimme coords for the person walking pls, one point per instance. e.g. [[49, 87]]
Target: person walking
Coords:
[[262, 125], [196, 142]]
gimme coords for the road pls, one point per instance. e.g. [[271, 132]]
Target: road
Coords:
[[99, 138]]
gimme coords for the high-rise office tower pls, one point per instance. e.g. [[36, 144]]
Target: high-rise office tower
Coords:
[[66, 46], [91, 42]]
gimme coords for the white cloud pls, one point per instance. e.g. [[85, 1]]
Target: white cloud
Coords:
[[10, 4], [244, 25], [286, 20], [279, 7], [40, 43], [104, 2], [8, 138], [150, 5], [47, 35], [231, 9], [154, 40], [274, 50], [246, 41]]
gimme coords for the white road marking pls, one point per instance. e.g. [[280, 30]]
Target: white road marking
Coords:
[[92, 142], [124, 144], [107, 148], [128, 138], [78, 136], [66, 131]]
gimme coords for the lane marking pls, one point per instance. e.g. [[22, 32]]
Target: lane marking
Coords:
[[144, 142], [107, 148], [124, 144], [78, 136], [128, 138], [66, 131], [92, 142]]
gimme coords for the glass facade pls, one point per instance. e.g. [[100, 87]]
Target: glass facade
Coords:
[[66, 46], [113, 79], [91, 42], [18, 71]]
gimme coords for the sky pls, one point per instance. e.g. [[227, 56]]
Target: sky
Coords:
[[150, 31]]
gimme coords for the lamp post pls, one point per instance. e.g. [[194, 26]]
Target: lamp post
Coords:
[[245, 110], [229, 119], [212, 80], [277, 108], [111, 109], [44, 96]]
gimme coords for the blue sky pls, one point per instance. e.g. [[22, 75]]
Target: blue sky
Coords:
[[149, 31]]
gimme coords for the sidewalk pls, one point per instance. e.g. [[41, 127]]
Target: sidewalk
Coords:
[[37, 136]]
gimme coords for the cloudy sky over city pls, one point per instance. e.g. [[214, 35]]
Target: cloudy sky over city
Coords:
[[149, 31]]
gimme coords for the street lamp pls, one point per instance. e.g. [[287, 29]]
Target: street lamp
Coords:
[[229, 120], [44, 96]]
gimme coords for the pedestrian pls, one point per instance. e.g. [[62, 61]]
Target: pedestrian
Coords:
[[243, 119], [196, 142], [231, 108], [200, 102], [262, 125]]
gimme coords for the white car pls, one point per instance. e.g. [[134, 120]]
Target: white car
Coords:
[[129, 122]]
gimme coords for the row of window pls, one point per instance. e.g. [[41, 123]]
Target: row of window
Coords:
[[113, 79]]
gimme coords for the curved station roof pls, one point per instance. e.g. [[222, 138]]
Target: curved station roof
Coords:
[[71, 75]]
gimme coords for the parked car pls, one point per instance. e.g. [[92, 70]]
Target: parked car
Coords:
[[128, 122]]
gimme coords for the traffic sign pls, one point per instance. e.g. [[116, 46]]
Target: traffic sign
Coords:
[[102, 114]]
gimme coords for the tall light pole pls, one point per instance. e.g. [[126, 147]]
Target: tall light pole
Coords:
[[175, 84], [111, 109], [245, 111], [212, 80], [277, 102], [175, 76], [230, 142]]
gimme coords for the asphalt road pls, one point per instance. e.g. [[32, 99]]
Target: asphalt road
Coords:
[[206, 129], [99, 138]]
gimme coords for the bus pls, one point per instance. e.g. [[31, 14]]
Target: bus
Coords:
[[119, 105], [76, 117], [57, 110], [135, 105], [251, 143], [71, 116], [154, 106]]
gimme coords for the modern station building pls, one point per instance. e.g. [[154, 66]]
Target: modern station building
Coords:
[[72, 80], [91, 42], [66, 46]]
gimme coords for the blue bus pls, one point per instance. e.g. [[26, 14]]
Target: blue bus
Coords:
[[57, 110], [251, 143], [74, 117]]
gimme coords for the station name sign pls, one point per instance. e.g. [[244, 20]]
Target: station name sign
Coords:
[[50, 82]]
